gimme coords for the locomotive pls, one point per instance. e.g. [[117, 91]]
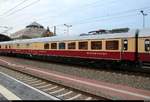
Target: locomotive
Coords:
[[117, 47]]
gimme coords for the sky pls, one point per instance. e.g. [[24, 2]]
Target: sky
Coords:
[[83, 15]]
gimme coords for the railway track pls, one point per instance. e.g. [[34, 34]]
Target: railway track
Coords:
[[54, 89]]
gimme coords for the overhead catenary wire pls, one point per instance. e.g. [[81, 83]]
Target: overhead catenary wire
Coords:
[[100, 18], [87, 6], [23, 7], [113, 16], [11, 9], [122, 14]]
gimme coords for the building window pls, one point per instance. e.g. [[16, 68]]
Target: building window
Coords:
[[96, 45], [125, 44], [147, 45], [72, 45], [46, 46], [112, 45], [62, 46], [53, 45], [83, 45]]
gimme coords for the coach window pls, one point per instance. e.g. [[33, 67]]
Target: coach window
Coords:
[[112, 45], [0, 46], [9, 47], [96, 45], [53, 45], [72, 45], [6, 46], [18, 45], [147, 45], [62, 45], [46, 46], [125, 44], [27, 45], [83, 45]]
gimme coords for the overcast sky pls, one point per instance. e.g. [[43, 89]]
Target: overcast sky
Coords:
[[83, 15]]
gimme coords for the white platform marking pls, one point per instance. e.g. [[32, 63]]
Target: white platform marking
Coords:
[[8, 94], [51, 97], [88, 83]]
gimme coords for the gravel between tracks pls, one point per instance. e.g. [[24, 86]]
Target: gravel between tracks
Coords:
[[136, 81]]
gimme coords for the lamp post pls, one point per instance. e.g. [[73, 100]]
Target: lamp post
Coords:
[[144, 14], [68, 26]]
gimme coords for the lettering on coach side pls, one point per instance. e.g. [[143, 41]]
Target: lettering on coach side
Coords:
[[97, 53]]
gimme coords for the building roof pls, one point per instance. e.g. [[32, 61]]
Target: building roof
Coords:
[[34, 24], [130, 33], [33, 30]]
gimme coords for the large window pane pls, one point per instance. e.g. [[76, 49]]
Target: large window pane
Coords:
[[72, 45], [112, 45], [46, 46], [83, 45], [96, 45], [62, 46], [54, 46]]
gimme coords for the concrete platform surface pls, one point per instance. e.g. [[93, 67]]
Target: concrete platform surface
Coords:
[[12, 89]]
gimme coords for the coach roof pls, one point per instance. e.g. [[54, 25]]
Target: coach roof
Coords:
[[131, 33]]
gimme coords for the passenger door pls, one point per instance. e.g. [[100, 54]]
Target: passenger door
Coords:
[[147, 50], [147, 46], [124, 49]]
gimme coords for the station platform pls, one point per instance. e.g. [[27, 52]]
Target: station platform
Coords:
[[107, 90], [12, 89], [2, 98]]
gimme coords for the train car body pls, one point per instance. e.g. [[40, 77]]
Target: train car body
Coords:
[[130, 46]]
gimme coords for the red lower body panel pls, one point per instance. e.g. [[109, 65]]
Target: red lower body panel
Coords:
[[78, 54], [144, 57]]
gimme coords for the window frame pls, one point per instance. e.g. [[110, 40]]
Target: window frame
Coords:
[[52, 46], [101, 45], [62, 46], [83, 42], [9, 46], [147, 45], [46, 46], [74, 46], [6, 47], [27, 45], [112, 48], [125, 45]]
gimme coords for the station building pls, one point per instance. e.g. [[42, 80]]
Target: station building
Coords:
[[34, 30]]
